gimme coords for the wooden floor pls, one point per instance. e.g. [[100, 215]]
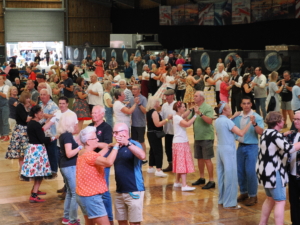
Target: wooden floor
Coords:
[[163, 204]]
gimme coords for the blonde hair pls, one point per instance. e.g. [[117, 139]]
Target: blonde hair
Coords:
[[190, 71], [106, 84], [9, 91], [297, 81], [179, 56], [52, 77], [151, 103], [66, 123], [273, 76]]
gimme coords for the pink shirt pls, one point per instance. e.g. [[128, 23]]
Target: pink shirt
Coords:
[[180, 61]]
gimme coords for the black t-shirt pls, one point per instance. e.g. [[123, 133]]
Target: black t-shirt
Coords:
[[231, 65], [67, 138], [150, 123], [68, 83], [71, 69], [13, 74], [287, 95], [104, 133], [12, 108]]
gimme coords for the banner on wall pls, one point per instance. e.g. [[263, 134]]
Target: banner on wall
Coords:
[[283, 9], [178, 15], [241, 12], [206, 12], [165, 15], [191, 14], [261, 10], [223, 12]]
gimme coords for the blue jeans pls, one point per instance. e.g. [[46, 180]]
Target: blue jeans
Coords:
[[227, 175], [246, 161], [53, 155], [4, 126], [260, 103], [70, 206], [109, 116], [107, 197]]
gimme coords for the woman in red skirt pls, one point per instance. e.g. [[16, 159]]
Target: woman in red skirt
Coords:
[[182, 156]]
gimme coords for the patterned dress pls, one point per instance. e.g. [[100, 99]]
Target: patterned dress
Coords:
[[54, 97], [160, 92], [189, 91], [81, 107], [209, 92]]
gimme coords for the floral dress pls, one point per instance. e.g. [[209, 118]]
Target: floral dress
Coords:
[[54, 97], [189, 91], [160, 92], [81, 107]]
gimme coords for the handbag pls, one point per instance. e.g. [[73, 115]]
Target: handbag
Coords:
[[160, 134], [272, 104]]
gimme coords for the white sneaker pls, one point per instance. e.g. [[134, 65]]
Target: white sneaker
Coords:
[[160, 174], [177, 185], [187, 188], [151, 170]]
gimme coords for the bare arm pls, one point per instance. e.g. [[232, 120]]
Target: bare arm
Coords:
[[184, 123], [128, 110], [143, 109], [247, 89], [81, 95], [109, 161], [109, 103], [138, 152], [69, 151], [240, 132], [156, 121], [48, 125]]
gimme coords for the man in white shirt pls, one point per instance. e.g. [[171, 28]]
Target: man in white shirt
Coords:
[[260, 91], [220, 73], [166, 59], [166, 110], [127, 92], [117, 77], [95, 92]]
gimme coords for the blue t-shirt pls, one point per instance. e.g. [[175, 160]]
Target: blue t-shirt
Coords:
[[128, 171], [223, 127]]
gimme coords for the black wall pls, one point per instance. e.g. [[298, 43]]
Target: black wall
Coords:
[[254, 36]]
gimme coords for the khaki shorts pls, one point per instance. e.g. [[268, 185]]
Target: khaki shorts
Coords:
[[128, 208], [286, 105], [204, 149]]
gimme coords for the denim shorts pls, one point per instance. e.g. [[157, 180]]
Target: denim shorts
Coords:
[[278, 193], [92, 206]]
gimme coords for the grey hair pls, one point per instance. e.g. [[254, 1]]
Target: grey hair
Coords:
[[226, 75], [122, 80], [145, 65], [201, 93], [69, 61], [84, 134], [137, 85], [45, 90], [221, 64]]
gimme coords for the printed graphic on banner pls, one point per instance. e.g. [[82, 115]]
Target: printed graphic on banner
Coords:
[[261, 10], [241, 11], [223, 11], [165, 15], [206, 14], [191, 14], [178, 15], [283, 9], [297, 13]]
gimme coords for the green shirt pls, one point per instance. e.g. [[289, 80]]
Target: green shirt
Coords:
[[203, 130]]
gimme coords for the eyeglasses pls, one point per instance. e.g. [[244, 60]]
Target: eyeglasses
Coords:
[[296, 119], [117, 132]]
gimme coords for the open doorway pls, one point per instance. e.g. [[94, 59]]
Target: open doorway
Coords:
[[24, 53]]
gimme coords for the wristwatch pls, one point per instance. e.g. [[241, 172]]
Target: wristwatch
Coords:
[[255, 124], [129, 144], [140, 104], [201, 115]]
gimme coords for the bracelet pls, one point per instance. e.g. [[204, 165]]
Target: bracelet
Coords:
[[166, 120], [116, 148], [80, 147]]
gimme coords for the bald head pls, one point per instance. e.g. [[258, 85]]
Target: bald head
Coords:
[[98, 114]]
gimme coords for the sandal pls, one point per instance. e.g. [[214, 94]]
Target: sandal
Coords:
[[233, 207]]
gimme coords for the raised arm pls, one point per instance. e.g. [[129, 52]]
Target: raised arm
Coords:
[[240, 132]]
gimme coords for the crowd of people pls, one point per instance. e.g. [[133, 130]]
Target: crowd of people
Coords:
[[46, 120]]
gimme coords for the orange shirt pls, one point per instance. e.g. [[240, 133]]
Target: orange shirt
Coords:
[[32, 76], [89, 176]]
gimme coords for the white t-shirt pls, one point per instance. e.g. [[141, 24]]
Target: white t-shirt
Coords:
[[107, 96], [94, 99], [145, 75], [4, 89], [166, 59], [120, 117], [166, 110], [117, 78], [222, 74], [168, 79], [57, 115], [293, 162], [180, 135], [49, 89]]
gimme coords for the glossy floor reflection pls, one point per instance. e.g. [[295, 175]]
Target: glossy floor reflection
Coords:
[[163, 204]]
